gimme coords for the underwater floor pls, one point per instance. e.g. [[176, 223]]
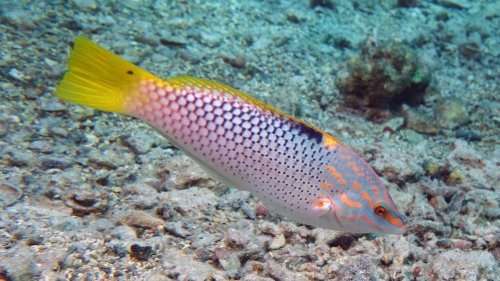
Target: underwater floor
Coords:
[[411, 85]]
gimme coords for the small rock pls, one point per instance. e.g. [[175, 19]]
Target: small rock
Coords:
[[84, 201], [85, 5], [210, 39], [236, 239], [120, 251], [9, 195], [236, 61], [181, 172], [261, 210], [4, 128], [141, 219], [412, 136], [66, 223], [52, 105], [42, 146], [418, 120], [451, 112], [18, 263], [229, 261], [204, 240], [492, 10], [19, 158], [102, 224], [148, 38], [140, 143], [190, 55], [393, 124], [59, 132], [51, 162], [177, 229], [269, 228], [277, 242], [468, 135], [248, 210], [141, 252], [124, 232], [462, 4], [20, 19]]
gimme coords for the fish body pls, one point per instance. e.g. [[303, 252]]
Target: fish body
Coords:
[[297, 170]]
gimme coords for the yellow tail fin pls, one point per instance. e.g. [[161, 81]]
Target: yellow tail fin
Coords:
[[98, 78]]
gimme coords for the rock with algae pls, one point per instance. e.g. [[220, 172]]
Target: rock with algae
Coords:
[[384, 75]]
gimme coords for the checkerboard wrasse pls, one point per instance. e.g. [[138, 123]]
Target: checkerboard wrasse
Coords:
[[296, 169]]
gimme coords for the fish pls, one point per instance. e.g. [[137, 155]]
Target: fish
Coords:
[[294, 168]]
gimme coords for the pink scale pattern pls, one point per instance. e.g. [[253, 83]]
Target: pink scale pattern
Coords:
[[278, 159]]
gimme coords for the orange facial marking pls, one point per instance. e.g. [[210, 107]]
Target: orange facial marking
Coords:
[[394, 221], [367, 197], [356, 185], [324, 184], [375, 189], [348, 157], [360, 174], [335, 174], [350, 203], [342, 156], [329, 142]]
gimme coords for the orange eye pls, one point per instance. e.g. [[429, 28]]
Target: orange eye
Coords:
[[379, 210]]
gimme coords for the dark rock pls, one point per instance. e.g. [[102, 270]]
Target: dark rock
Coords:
[[141, 252], [52, 162]]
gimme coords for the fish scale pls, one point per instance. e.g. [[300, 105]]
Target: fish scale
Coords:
[[295, 169]]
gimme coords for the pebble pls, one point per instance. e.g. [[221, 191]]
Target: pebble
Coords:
[[20, 19], [451, 112], [141, 252], [204, 240], [140, 142], [394, 124], [58, 132], [52, 105], [190, 55], [10, 195], [177, 229], [84, 5], [211, 40], [248, 210], [412, 136], [102, 224], [4, 128], [418, 120], [84, 201], [54, 162], [229, 261], [468, 135], [277, 242], [236, 239], [148, 39], [462, 4], [66, 223], [18, 264], [41, 146], [141, 219], [18, 75], [19, 158]]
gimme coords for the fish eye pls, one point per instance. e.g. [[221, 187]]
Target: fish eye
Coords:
[[379, 210]]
